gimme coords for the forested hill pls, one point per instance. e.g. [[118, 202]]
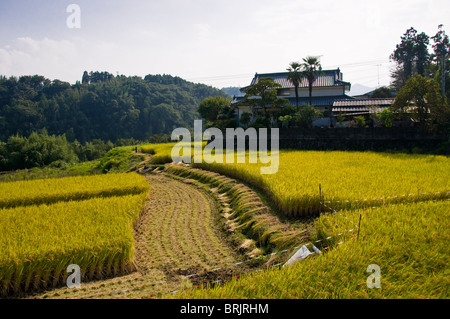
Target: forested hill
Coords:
[[102, 106]]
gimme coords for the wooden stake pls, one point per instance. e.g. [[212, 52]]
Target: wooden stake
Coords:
[[359, 226]]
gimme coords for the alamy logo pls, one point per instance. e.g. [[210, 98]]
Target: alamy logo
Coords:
[[74, 19], [74, 280], [213, 152], [374, 280]]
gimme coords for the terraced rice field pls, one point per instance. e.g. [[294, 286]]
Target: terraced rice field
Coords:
[[306, 179], [51, 224], [176, 235], [407, 241], [48, 191], [402, 201]]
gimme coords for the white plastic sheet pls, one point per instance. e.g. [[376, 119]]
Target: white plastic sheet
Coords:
[[301, 254]]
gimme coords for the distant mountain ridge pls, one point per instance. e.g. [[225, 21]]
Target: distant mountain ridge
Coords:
[[232, 91]]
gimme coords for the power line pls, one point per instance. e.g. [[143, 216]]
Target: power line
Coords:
[[361, 63], [375, 62]]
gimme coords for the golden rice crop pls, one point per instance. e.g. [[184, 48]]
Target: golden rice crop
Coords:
[[47, 191], [346, 179], [49, 224], [408, 241], [39, 242], [162, 153]]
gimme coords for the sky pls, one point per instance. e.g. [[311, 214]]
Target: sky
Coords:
[[219, 43]]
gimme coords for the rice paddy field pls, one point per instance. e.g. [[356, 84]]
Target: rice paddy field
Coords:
[[307, 179], [399, 201], [408, 241], [363, 208], [22, 193], [48, 224]]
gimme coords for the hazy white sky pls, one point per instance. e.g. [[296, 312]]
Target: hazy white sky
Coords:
[[220, 43]]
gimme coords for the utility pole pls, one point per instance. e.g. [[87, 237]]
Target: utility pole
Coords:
[[443, 52], [443, 74], [378, 67]]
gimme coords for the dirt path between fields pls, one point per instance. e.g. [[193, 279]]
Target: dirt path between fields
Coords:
[[176, 236]]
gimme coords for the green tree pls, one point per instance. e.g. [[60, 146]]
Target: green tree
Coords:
[[85, 78], [109, 108], [360, 121], [38, 150], [384, 117], [411, 56], [383, 92], [285, 120], [295, 77], [424, 97], [226, 118], [311, 68], [265, 92], [306, 116], [211, 107], [441, 47], [245, 118], [421, 49], [340, 118]]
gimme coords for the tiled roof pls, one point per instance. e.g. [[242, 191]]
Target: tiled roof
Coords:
[[326, 79], [363, 109], [362, 102]]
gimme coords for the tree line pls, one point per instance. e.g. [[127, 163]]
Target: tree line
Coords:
[[419, 54], [422, 71], [40, 149], [102, 106]]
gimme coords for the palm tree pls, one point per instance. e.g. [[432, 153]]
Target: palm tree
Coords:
[[295, 76], [311, 67]]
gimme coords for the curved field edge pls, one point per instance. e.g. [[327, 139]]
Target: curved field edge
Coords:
[[306, 180], [40, 241], [407, 241], [177, 234], [244, 214]]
